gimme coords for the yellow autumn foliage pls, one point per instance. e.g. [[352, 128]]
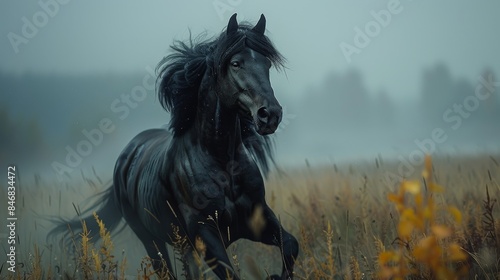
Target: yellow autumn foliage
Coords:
[[424, 243]]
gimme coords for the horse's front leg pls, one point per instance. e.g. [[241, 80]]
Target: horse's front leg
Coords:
[[215, 255], [210, 224], [274, 234]]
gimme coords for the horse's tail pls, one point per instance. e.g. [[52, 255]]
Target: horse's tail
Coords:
[[67, 232]]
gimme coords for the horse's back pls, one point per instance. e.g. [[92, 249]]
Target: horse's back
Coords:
[[144, 147]]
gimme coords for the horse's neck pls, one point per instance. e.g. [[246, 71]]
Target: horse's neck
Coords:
[[218, 127]]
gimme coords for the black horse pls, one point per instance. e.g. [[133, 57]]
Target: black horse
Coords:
[[212, 161]]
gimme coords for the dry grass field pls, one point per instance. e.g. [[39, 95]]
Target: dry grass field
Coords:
[[353, 221]]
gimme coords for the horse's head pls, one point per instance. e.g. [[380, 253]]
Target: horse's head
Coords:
[[243, 60]]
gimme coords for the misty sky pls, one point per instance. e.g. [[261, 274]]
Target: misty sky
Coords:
[[102, 36]]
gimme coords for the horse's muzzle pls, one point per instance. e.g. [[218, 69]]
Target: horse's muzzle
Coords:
[[267, 119], [266, 115]]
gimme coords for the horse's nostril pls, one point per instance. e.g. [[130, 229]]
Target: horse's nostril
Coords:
[[263, 114]]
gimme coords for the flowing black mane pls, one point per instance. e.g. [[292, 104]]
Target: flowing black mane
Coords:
[[194, 66]]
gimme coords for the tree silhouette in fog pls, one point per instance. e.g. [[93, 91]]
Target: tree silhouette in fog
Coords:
[[440, 93], [436, 91], [492, 104], [42, 113], [384, 108], [344, 100]]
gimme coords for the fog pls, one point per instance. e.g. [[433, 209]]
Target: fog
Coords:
[[391, 79], [364, 80]]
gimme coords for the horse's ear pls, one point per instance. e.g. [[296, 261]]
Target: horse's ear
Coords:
[[260, 27], [232, 26]]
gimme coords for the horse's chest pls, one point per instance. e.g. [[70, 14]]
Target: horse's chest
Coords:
[[233, 191], [237, 201]]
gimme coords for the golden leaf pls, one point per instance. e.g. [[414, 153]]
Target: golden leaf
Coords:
[[398, 200], [428, 167], [435, 188], [456, 253], [425, 174], [420, 253], [457, 215], [424, 248], [428, 213], [427, 242], [412, 187], [441, 231], [409, 215], [394, 198], [385, 257], [419, 200], [405, 229]]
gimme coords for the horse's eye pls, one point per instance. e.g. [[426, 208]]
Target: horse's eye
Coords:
[[235, 64]]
